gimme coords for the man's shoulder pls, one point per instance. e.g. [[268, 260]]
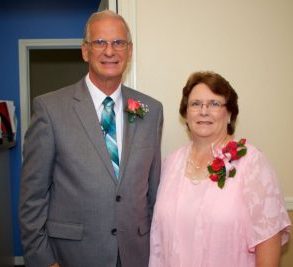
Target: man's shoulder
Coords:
[[62, 93], [139, 96]]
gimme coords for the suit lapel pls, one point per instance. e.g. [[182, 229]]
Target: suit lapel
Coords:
[[128, 132], [85, 111]]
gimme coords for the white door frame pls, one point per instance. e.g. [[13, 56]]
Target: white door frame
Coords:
[[24, 47]]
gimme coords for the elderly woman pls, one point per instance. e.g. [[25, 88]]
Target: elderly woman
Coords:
[[219, 203]]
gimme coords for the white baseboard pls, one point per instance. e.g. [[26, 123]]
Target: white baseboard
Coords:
[[18, 260], [289, 203]]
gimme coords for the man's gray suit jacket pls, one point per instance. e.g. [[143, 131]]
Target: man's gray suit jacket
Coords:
[[73, 210]]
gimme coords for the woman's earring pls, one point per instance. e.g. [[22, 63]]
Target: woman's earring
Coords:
[[229, 120]]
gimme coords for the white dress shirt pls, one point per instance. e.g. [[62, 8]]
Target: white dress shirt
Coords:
[[98, 97]]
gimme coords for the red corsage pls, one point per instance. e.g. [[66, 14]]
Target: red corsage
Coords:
[[135, 109], [221, 167]]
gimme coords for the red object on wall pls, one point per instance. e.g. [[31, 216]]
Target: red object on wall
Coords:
[[6, 128]]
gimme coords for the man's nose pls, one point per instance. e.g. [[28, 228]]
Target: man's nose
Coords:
[[109, 50]]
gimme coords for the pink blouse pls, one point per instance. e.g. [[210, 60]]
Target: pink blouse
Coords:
[[201, 225]]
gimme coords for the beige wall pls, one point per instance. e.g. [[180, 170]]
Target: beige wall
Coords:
[[249, 42]]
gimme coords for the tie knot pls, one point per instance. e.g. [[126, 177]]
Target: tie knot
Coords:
[[108, 102]]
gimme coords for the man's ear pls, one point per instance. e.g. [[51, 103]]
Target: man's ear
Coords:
[[84, 52]]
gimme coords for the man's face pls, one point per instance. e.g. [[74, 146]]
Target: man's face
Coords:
[[106, 63]]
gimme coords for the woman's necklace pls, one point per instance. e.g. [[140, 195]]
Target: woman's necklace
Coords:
[[197, 171]]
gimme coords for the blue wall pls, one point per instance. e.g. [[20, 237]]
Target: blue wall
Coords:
[[32, 19]]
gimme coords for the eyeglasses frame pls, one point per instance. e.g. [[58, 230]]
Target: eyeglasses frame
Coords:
[[208, 105], [106, 43]]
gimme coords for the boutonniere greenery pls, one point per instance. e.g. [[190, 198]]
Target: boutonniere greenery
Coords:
[[135, 109], [222, 167]]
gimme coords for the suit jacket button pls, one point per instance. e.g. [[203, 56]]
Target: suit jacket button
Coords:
[[114, 231], [118, 198]]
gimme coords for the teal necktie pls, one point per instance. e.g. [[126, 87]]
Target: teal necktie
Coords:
[[108, 125]]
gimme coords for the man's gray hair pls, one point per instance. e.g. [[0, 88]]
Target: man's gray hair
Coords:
[[101, 15]]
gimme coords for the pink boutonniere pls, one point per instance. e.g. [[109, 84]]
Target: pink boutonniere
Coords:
[[222, 167], [135, 109]]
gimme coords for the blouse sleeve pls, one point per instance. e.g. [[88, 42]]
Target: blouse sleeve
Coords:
[[267, 214]]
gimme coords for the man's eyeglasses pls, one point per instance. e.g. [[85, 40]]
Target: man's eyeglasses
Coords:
[[212, 105], [100, 44]]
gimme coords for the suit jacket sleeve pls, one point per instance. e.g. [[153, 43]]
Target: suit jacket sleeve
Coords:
[[38, 160], [155, 170]]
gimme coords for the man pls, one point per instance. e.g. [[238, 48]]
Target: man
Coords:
[[91, 167]]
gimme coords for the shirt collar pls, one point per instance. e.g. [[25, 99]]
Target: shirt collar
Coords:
[[99, 96]]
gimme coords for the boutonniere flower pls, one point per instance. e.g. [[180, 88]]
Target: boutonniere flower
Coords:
[[135, 109], [222, 167]]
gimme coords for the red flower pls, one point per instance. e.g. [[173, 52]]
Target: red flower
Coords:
[[135, 109], [214, 177], [218, 170], [217, 164], [133, 105], [231, 148], [242, 141]]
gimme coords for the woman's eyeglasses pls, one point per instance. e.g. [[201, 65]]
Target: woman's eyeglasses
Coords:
[[212, 105]]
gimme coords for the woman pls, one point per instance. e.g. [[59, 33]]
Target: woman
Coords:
[[219, 203]]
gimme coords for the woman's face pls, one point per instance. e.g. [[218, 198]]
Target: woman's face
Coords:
[[207, 115]]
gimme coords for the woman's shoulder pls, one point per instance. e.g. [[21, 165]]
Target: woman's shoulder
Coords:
[[181, 151], [254, 152], [175, 161], [177, 157], [252, 149], [255, 159]]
